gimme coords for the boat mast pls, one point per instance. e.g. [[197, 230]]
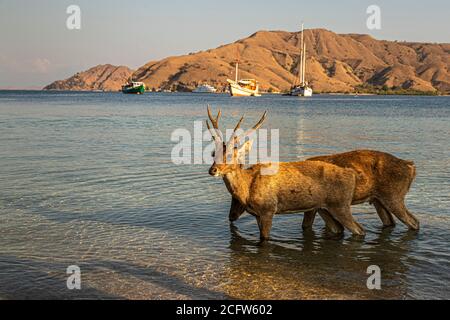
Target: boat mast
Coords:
[[301, 76], [304, 64], [237, 64]]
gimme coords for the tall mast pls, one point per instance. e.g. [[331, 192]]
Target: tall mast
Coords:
[[301, 58], [304, 64], [238, 56]]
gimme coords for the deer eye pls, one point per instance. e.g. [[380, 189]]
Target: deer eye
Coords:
[[213, 154]]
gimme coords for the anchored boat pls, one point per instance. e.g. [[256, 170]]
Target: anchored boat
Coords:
[[205, 88], [301, 88], [133, 87], [243, 87]]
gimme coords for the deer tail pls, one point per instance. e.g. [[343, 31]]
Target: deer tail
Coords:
[[413, 172]]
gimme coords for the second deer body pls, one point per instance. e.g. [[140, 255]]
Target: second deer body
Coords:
[[382, 179]]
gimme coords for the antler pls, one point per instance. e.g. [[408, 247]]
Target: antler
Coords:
[[257, 126], [215, 123], [235, 139]]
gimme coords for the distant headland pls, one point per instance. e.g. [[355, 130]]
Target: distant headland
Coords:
[[337, 63]]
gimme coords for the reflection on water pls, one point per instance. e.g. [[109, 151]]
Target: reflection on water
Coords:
[[86, 179], [295, 269]]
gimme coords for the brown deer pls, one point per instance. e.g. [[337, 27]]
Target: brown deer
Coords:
[[292, 187], [382, 179]]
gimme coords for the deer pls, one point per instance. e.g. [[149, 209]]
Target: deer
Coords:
[[383, 180], [293, 187]]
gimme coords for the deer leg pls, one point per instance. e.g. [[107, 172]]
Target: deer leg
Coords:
[[331, 223], [385, 216], [308, 219], [265, 225], [398, 209], [344, 216], [236, 210]]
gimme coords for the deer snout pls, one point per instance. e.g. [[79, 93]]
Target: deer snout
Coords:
[[214, 171]]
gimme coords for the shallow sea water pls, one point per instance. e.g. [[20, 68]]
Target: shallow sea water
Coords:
[[87, 179]]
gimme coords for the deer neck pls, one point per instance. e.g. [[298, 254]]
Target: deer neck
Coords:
[[238, 183]]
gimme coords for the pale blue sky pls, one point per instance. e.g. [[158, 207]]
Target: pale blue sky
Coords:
[[37, 48]]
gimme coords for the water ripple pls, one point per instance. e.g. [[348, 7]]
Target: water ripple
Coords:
[[87, 179]]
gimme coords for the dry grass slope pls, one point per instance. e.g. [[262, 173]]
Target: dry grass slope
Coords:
[[102, 77], [336, 63]]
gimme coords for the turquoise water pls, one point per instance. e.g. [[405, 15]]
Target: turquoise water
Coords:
[[86, 179]]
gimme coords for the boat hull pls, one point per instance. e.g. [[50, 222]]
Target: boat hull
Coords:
[[237, 90], [134, 90], [205, 90], [302, 92]]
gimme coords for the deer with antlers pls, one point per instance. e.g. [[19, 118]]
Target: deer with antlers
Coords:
[[294, 187]]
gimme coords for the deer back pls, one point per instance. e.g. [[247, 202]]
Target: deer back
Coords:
[[378, 173], [299, 186]]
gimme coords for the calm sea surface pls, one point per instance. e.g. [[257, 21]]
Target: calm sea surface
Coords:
[[86, 179]]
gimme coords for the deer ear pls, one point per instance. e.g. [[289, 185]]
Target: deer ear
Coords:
[[244, 150]]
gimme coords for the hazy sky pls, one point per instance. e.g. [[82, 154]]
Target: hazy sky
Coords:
[[36, 47]]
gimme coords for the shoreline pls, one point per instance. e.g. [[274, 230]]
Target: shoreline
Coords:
[[420, 94]]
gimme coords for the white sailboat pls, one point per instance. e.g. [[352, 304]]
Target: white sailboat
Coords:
[[205, 88], [243, 87], [302, 89]]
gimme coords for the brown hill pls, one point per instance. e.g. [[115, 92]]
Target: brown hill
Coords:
[[103, 77], [336, 63]]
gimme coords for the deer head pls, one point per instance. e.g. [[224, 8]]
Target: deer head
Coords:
[[229, 156]]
